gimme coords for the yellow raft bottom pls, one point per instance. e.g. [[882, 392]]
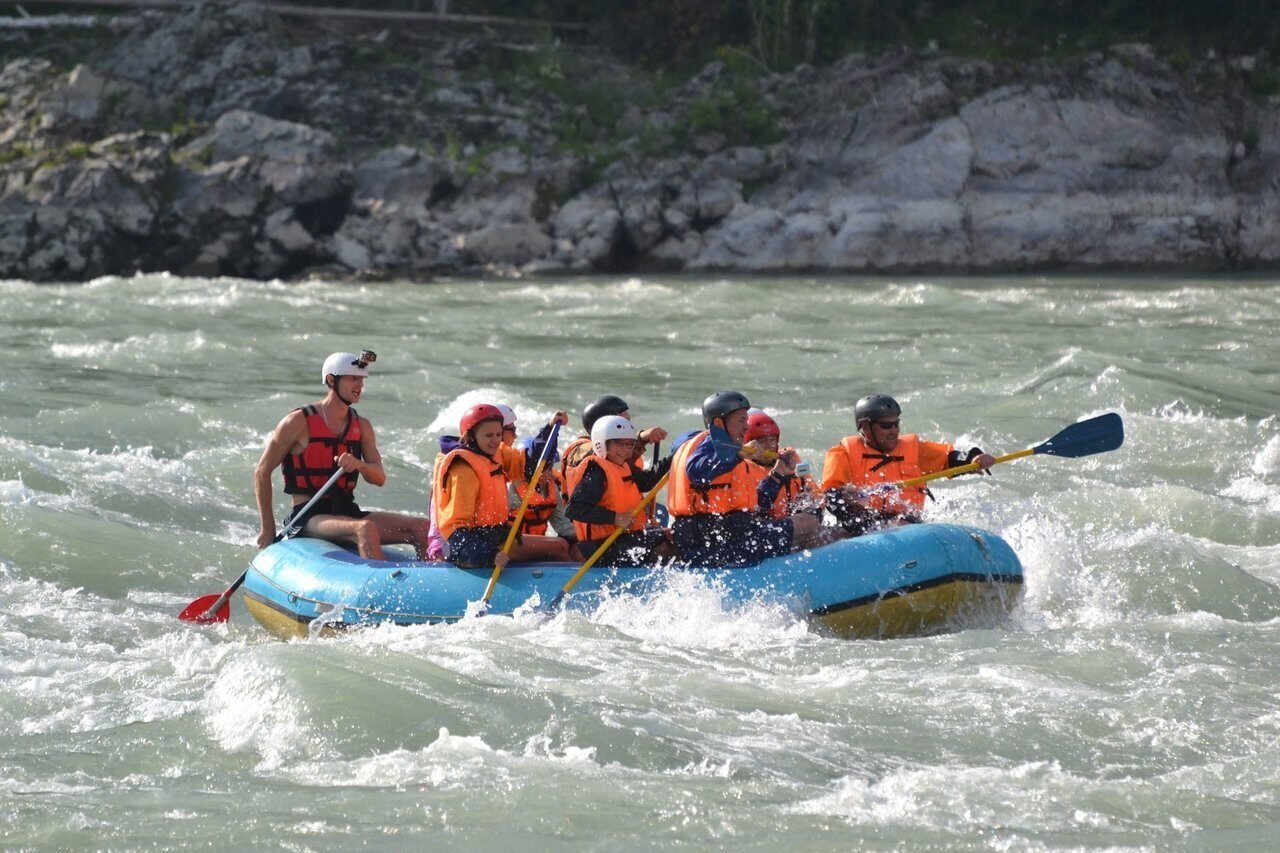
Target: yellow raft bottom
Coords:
[[951, 606]]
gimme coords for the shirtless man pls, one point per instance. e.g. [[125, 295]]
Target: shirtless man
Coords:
[[313, 442]]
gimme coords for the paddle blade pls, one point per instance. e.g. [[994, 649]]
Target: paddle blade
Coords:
[[1096, 435], [197, 611]]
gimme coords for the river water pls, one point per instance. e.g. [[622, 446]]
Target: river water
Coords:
[[1131, 703]]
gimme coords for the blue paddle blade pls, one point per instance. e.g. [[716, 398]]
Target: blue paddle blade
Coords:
[[1096, 435]]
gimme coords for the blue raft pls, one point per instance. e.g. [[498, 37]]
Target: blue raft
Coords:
[[916, 579]]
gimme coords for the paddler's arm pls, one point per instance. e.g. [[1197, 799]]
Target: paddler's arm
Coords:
[[955, 459], [646, 437], [370, 467], [783, 469], [288, 435], [838, 491], [540, 442], [715, 456], [647, 478]]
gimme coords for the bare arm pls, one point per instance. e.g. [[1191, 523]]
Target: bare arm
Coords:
[[371, 466], [288, 436]]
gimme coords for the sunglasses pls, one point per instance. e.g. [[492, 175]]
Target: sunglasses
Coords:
[[887, 424]]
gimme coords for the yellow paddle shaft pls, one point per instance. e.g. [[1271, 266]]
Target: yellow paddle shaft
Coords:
[[612, 537], [961, 469], [515, 527]]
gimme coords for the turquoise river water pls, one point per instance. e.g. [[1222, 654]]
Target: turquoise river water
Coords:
[[1131, 703]]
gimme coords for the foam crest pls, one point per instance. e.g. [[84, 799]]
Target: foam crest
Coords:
[[688, 610], [250, 707], [450, 762], [1266, 462], [964, 799]]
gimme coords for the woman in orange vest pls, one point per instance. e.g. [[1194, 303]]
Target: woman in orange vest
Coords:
[[608, 495], [469, 493], [715, 499], [879, 455], [798, 492]]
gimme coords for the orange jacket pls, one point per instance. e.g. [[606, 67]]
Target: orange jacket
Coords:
[[470, 495], [852, 462], [541, 507], [621, 494], [730, 492], [575, 456]]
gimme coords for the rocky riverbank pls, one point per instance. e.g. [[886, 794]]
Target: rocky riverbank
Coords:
[[225, 141]]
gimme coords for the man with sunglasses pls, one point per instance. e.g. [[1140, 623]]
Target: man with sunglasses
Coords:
[[878, 455], [312, 443]]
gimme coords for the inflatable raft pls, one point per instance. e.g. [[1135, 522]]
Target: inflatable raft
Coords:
[[917, 579]]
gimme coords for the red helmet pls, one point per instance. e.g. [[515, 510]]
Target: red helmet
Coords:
[[760, 425], [478, 414]]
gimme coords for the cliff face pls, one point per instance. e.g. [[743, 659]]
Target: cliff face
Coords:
[[221, 142]]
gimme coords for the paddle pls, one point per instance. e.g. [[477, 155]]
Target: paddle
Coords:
[[1085, 438], [217, 608], [547, 450], [604, 546]]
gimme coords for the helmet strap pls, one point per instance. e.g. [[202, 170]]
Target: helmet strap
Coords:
[[869, 435], [337, 379]]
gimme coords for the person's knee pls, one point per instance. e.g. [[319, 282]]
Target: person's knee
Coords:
[[367, 533]]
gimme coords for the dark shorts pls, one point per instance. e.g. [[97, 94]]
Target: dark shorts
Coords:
[[476, 547], [731, 540], [341, 505], [638, 548]]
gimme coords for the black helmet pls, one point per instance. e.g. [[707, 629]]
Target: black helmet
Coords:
[[722, 403], [875, 406], [606, 405]]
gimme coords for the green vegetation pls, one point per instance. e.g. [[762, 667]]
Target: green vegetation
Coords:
[[14, 152], [1265, 81], [738, 113]]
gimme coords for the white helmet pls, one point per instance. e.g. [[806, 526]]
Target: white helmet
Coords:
[[508, 414], [345, 364], [607, 429]]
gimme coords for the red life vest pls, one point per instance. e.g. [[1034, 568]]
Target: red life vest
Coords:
[[621, 494], [305, 472], [541, 507], [491, 500], [732, 491]]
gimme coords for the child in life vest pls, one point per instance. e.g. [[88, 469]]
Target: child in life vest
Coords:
[[797, 492], [546, 508], [469, 494], [610, 490], [514, 457]]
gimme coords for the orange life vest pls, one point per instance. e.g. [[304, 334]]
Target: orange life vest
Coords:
[[541, 507], [789, 492], [732, 491], [868, 467], [491, 499], [621, 494], [575, 456], [305, 472]]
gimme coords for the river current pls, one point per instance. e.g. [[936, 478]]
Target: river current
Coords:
[[1131, 703]]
